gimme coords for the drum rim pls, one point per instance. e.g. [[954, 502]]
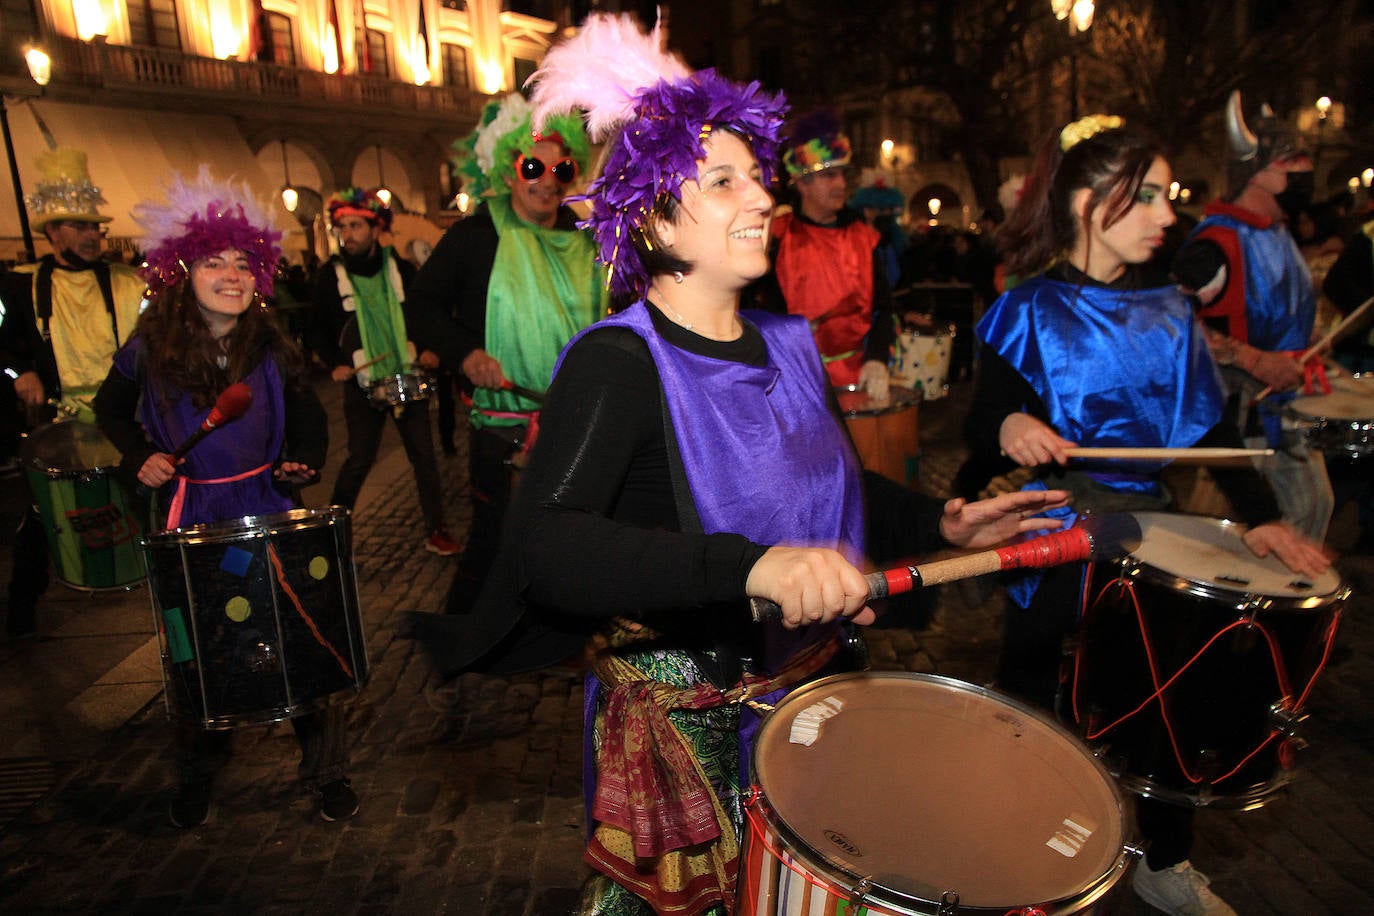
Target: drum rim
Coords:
[[31, 462], [891, 407], [249, 527], [1134, 567], [838, 873], [279, 713]]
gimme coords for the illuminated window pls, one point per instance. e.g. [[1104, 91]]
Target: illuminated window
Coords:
[[153, 23], [378, 61], [454, 60], [278, 46]]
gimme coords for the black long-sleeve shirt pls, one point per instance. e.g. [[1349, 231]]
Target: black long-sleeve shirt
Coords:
[[1001, 391]]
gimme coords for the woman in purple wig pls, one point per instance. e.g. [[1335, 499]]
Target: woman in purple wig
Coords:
[[211, 249], [690, 458]]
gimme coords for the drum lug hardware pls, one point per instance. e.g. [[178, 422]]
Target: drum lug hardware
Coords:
[[949, 904], [1288, 721], [1134, 851], [859, 895]]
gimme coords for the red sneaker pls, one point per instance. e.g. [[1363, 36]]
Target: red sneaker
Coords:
[[439, 542]]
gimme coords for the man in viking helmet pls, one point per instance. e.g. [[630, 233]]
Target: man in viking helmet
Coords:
[[1258, 301]]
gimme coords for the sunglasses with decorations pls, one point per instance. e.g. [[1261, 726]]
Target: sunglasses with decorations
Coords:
[[532, 168]]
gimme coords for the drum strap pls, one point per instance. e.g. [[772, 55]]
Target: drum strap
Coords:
[[179, 498], [42, 294]]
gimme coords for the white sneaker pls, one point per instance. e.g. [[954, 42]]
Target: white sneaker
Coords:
[[1180, 890]]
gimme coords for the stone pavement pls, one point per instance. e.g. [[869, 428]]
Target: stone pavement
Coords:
[[470, 790]]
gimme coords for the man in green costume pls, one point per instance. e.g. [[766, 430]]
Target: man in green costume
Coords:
[[358, 329], [503, 292]]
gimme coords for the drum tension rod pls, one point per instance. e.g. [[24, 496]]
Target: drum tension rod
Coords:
[[949, 904]]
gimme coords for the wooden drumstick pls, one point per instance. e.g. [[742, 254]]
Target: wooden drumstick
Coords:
[[370, 363], [528, 393], [1320, 346], [1111, 534], [1169, 454]]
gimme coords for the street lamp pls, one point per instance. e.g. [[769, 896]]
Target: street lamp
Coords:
[[1079, 14], [383, 192], [290, 197]]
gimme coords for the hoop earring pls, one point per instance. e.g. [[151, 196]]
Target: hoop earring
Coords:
[[677, 276]]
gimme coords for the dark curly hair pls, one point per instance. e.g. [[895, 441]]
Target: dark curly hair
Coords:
[[181, 354]]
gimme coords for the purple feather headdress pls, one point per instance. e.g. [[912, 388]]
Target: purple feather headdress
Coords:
[[656, 113], [201, 219]]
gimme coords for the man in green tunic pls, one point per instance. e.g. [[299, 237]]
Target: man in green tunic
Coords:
[[503, 292], [358, 329]]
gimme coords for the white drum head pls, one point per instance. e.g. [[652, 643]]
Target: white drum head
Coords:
[[1340, 404], [928, 785], [1209, 552]]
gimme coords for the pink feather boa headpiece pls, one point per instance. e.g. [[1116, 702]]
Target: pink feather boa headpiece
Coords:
[[201, 219], [657, 114]]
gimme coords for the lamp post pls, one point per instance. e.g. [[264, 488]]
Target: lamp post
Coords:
[[1079, 14], [40, 69]]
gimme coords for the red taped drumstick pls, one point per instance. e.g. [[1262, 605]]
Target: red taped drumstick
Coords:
[[1103, 536], [232, 403]]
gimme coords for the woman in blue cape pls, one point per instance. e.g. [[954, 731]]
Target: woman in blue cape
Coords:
[[1095, 351]]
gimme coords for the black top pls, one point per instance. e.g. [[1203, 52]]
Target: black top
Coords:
[[446, 303], [1001, 391], [306, 423], [595, 528]]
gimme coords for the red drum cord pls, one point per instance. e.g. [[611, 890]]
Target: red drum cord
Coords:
[[296, 603], [1275, 653]]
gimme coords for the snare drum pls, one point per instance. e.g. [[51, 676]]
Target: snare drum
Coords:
[[911, 793], [923, 360], [258, 618], [1340, 424], [399, 389], [884, 434], [1194, 660], [89, 517]]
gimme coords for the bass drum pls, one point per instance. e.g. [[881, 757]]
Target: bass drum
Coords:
[[1195, 658], [916, 794]]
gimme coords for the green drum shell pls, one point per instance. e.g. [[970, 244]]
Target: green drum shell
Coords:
[[90, 519]]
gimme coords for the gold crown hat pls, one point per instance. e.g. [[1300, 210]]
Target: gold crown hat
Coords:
[[65, 191]]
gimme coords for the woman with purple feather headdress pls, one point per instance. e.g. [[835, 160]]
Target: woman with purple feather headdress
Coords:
[[211, 253], [684, 447]]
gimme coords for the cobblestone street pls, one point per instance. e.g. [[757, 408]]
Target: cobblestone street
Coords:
[[470, 790]]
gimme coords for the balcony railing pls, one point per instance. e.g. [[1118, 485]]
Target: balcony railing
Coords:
[[102, 65]]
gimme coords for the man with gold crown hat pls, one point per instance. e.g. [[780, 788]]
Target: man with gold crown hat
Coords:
[[64, 318], [1259, 303], [826, 263], [358, 328], [502, 294]]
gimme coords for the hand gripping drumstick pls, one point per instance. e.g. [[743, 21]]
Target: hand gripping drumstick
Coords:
[[371, 362], [1111, 534], [232, 403], [1321, 346]]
